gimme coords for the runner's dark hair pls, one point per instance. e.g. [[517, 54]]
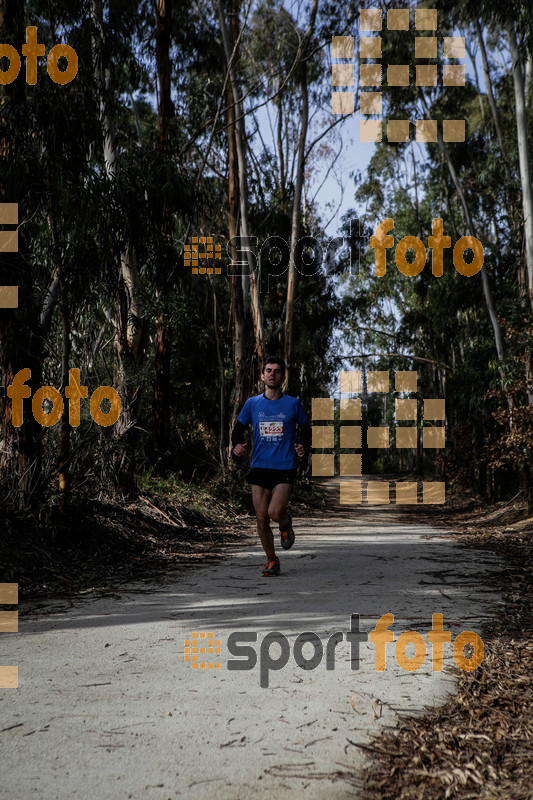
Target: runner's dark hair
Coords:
[[275, 360]]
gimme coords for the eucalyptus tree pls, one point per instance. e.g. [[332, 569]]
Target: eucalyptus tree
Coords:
[[47, 129], [20, 343]]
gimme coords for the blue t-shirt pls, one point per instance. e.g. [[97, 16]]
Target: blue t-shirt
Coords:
[[274, 430]]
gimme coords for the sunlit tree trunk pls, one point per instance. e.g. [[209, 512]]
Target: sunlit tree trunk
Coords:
[[295, 234]]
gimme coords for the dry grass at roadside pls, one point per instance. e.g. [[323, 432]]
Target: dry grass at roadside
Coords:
[[101, 544]]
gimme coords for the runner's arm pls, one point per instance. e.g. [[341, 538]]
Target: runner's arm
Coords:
[[305, 435], [237, 437]]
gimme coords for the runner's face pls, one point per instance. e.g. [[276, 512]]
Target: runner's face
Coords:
[[272, 376]]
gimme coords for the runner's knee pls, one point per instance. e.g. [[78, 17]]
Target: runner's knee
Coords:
[[275, 512], [262, 517]]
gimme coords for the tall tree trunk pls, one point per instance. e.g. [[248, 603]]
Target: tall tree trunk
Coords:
[[240, 139], [162, 54], [161, 387], [472, 57], [64, 449], [222, 444], [237, 304], [523, 152], [239, 349], [102, 79], [295, 233], [529, 76], [161, 398], [297, 200], [281, 158]]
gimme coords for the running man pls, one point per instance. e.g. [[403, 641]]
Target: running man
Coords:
[[274, 417]]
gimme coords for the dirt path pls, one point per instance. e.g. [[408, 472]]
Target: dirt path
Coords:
[[107, 707]]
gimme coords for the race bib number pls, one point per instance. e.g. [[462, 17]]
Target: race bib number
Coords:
[[271, 429]]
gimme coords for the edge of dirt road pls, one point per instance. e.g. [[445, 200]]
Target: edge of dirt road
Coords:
[[479, 745]]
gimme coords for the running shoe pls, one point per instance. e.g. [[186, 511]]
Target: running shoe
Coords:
[[271, 567], [287, 534]]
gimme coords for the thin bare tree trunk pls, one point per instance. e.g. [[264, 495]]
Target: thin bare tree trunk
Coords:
[[222, 437], [472, 56], [161, 397], [161, 386], [281, 158], [64, 449], [488, 83], [523, 152], [417, 205]]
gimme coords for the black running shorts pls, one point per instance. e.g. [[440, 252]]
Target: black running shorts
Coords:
[[268, 478]]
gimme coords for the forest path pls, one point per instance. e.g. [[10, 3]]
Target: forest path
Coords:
[[108, 708]]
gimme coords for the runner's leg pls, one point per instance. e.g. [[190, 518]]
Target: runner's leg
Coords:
[[261, 499], [277, 508]]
